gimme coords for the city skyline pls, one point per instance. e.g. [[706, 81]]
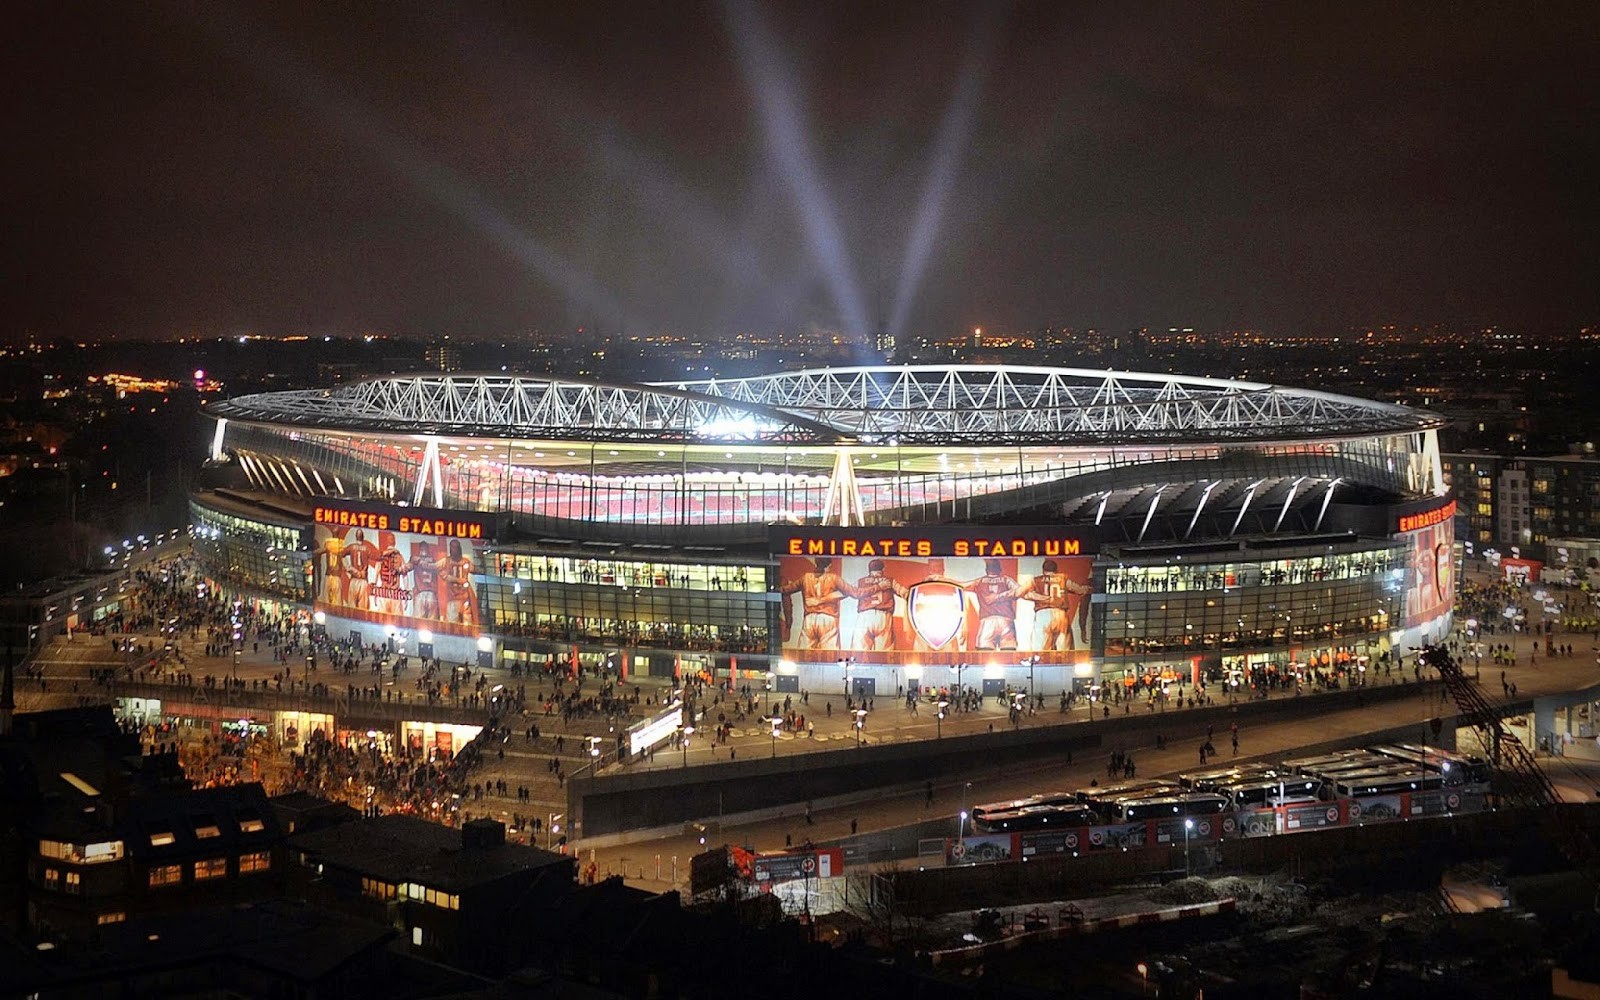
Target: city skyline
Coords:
[[227, 169]]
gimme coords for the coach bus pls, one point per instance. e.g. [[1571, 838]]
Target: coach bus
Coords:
[[1141, 808], [1456, 768], [981, 813], [1257, 793], [1028, 818], [1206, 781], [1096, 797]]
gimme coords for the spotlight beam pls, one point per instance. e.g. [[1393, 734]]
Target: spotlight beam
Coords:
[[955, 129], [789, 152], [276, 64]]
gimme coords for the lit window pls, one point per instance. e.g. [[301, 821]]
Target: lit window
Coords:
[[166, 875], [74, 882], [255, 861], [205, 826], [110, 850], [162, 838], [211, 868], [251, 823], [52, 878], [111, 918]]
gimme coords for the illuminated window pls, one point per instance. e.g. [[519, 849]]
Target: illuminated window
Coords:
[[250, 823], [205, 826], [81, 854], [255, 861], [74, 882], [162, 838], [52, 878], [378, 889], [111, 918], [166, 875], [211, 868]]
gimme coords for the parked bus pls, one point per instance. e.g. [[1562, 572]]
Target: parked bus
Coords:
[[1355, 786], [1101, 798], [1142, 808], [1308, 765], [1256, 794], [980, 813], [1206, 781], [1457, 769], [1037, 818]]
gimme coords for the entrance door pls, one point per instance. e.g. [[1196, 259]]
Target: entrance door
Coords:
[[994, 686], [864, 687]]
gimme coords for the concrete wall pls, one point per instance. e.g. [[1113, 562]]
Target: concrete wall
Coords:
[[622, 801]]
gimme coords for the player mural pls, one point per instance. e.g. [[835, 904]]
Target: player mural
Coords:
[[1024, 595], [1431, 591], [407, 578]]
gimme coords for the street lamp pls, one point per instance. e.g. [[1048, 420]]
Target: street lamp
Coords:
[[939, 717], [1030, 662], [861, 723], [688, 731], [1188, 827], [552, 828], [961, 827], [844, 662], [776, 722]]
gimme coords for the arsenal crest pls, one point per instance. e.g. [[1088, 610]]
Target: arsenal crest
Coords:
[[937, 611]]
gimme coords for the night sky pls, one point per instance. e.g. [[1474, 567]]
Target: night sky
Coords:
[[703, 168]]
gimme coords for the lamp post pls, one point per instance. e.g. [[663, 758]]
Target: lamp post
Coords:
[[551, 829], [1030, 662], [1188, 827], [688, 731], [939, 718], [860, 724], [844, 662], [961, 828], [776, 722]]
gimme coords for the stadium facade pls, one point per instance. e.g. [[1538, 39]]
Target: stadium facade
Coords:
[[866, 529]]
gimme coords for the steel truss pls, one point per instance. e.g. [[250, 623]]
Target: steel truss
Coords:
[[502, 405], [914, 405], [1012, 404]]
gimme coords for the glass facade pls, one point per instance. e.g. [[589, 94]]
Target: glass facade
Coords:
[[1302, 605], [672, 605], [253, 553]]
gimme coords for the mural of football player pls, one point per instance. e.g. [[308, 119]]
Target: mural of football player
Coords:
[[331, 556], [362, 558], [996, 595], [460, 597], [821, 592], [1055, 604], [875, 594]]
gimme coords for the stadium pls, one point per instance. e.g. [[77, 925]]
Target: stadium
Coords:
[[871, 529]]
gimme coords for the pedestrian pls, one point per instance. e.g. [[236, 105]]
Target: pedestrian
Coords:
[[808, 814], [1236, 744], [852, 827]]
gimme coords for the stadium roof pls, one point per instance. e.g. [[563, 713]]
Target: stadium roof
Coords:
[[928, 405]]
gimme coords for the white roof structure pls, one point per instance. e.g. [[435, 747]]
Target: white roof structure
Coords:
[[932, 405]]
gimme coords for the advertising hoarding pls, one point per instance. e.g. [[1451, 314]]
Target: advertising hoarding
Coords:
[[404, 567], [936, 595], [1431, 588]]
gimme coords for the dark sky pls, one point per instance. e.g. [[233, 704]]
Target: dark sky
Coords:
[[702, 168]]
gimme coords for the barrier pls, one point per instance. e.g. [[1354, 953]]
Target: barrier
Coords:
[[1068, 926]]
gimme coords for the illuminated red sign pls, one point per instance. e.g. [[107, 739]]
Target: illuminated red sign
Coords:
[[998, 543], [415, 523], [1428, 518]]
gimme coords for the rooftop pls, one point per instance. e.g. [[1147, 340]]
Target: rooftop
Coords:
[[399, 848]]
